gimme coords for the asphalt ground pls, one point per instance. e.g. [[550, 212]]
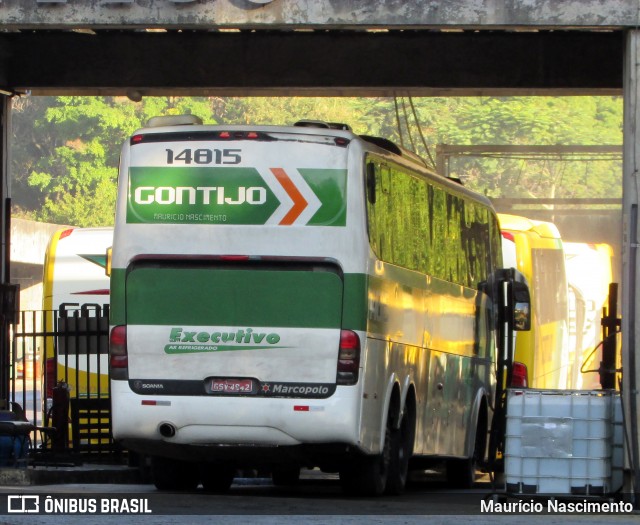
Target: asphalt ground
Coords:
[[316, 499]]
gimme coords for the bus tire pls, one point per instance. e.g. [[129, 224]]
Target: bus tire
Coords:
[[216, 478], [285, 475], [367, 475], [400, 452], [171, 474], [461, 473]]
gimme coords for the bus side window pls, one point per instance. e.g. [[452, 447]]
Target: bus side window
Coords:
[[371, 182]]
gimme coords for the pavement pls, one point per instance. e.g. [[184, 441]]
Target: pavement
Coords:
[[277, 508], [85, 473]]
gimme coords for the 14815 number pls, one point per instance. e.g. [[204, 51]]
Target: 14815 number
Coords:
[[204, 156]]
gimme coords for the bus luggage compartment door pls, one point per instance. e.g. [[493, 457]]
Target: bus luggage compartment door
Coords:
[[238, 328]]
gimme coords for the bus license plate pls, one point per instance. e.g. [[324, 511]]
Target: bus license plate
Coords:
[[232, 386]]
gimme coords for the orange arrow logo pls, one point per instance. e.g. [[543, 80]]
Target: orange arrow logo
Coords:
[[299, 202]]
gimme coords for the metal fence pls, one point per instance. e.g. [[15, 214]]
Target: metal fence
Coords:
[[59, 382]]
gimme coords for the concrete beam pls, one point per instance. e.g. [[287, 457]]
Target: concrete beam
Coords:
[[420, 63], [324, 14]]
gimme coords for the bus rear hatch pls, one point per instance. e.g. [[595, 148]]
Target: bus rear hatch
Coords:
[[233, 328]]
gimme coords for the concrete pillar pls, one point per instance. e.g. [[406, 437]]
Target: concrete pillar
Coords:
[[630, 242], [5, 218]]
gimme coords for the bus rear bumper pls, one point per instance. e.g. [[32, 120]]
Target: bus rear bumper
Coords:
[[326, 455], [150, 423]]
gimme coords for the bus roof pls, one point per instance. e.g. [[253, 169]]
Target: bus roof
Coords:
[[523, 224], [327, 133]]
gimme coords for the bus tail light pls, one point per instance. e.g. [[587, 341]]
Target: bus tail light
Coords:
[[348, 358], [509, 236], [118, 358], [66, 233], [519, 377]]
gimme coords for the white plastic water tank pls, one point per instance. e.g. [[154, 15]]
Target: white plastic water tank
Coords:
[[563, 442]]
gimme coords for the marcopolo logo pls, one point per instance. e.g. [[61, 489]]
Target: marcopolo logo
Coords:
[[306, 390], [298, 390], [184, 341]]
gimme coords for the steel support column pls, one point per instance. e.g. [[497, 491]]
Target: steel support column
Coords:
[[630, 259]]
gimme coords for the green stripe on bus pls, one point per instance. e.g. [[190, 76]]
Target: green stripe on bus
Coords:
[[354, 307], [117, 297], [330, 186], [354, 300], [228, 297], [231, 195]]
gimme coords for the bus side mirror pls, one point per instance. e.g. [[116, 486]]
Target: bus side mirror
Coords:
[[521, 307], [371, 182]]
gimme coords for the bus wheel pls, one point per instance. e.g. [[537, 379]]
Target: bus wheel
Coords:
[[461, 473], [401, 451], [285, 475], [216, 478], [367, 475], [171, 474]]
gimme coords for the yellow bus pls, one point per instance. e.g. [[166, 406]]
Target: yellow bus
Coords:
[[76, 306], [589, 273], [535, 248]]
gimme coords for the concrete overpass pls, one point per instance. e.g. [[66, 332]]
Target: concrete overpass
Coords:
[[473, 47], [321, 14]]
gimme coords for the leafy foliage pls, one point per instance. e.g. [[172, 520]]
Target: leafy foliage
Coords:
[[65, 149]]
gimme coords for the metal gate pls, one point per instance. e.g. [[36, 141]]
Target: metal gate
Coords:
[[59, 378]]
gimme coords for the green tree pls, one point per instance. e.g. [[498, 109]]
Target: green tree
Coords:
[[65, 149], [534, 121], [28, 145], [75, 170]]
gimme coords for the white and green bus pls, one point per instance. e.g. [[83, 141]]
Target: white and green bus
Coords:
[[298, 297]]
